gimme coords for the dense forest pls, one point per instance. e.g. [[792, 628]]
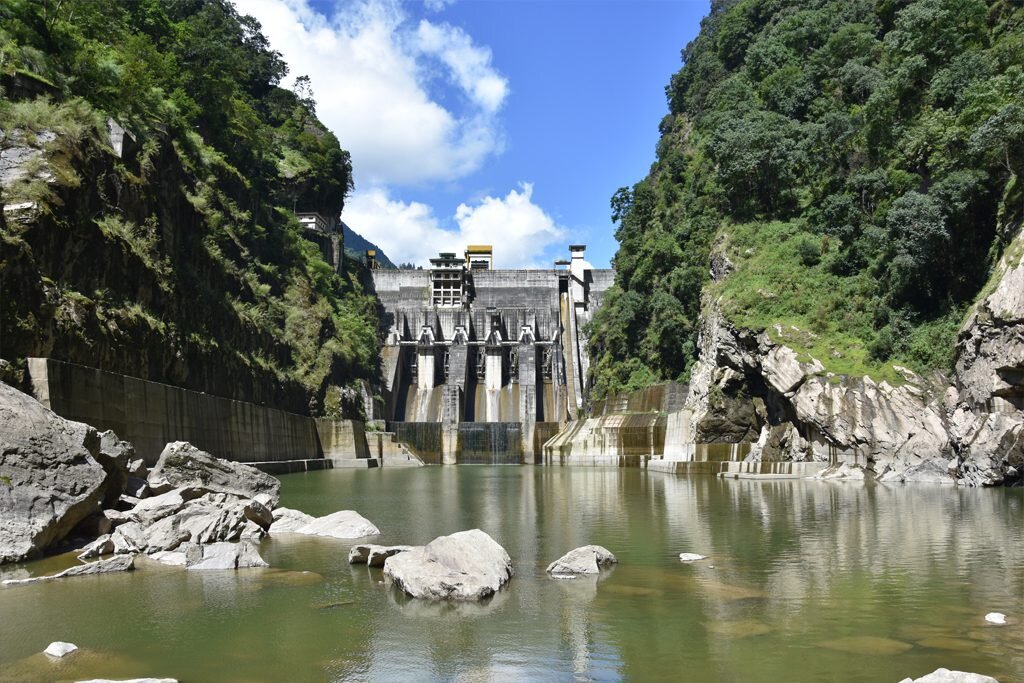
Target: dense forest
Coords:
[[180, 259], [849, 171]]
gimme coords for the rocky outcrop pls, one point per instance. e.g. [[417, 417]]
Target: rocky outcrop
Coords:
[[182, 465], [467, 565], [990, 350], [896, 432], [749, 385], [588, 559], [50, 479]]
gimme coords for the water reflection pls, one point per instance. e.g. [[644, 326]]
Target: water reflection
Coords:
[[805, 581]]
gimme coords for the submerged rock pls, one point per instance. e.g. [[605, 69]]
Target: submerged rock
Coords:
[[588, 559], [182, 465], [121, 563], [227, 556], [691, 557], [947, 676], [50, 479], [344, 524], [867, 645], [374, 555], [60, 649], [467, 565]]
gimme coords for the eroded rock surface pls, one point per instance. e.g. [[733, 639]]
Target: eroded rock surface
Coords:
[[467, 565], [50, 479], [374, 555], [182, 465]]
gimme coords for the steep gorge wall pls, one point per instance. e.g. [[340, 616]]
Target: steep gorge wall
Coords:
[[969, 430]]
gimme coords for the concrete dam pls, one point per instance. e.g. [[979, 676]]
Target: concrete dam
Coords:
[[483, 365]]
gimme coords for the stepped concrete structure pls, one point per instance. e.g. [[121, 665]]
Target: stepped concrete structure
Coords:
[[483, 364]]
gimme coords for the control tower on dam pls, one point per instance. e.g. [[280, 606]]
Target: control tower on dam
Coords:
[[482, 364]]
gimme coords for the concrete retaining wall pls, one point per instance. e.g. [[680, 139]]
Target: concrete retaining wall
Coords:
[[150, 415]]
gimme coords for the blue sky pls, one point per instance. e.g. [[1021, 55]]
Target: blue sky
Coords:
[[509, 123]]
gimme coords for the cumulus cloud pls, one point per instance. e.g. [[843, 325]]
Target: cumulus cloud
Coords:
[[518, 228], [371, 72]]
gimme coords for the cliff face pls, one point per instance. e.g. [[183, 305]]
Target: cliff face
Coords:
[[969, 430], [136, 264]]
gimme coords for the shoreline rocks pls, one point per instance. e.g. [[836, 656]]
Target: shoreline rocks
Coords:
[[465, 566], [50, 478], [588, 559], [183, 466], [120, 563]]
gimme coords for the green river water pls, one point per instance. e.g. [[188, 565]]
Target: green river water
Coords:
[[807, 581]]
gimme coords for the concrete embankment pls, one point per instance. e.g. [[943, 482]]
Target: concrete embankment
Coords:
[[151, 415]]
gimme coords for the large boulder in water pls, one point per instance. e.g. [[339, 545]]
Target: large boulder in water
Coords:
[[343, 524], [50, 479], [468, 565], [182, 465], [588, 559]]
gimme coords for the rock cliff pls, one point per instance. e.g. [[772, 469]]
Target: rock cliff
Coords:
[[967, 429]]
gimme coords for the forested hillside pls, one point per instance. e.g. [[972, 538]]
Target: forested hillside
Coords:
[[849, 173], [180, 259]]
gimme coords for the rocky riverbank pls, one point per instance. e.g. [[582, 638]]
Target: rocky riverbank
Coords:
[[966, 429]]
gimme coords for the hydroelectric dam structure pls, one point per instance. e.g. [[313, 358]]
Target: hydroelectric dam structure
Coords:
[[483, 365]]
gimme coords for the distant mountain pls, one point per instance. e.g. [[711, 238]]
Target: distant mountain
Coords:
[[357, 245]]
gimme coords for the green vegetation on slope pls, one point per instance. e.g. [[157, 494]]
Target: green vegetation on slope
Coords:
[[858, 164], [181, 260]]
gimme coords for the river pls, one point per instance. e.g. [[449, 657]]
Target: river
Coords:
[[806, 581]]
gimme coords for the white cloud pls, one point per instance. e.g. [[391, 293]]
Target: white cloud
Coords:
[[370, 71], [410, 231], [470, 65], [437, 5]]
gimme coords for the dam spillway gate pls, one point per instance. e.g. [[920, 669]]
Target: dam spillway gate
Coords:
[[484, 365]]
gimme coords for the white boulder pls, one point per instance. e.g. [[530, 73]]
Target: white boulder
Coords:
[[691, 557], [467, 565], [60, 649], [588, 559]]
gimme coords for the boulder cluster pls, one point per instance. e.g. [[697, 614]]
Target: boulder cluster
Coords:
[[62, 480]]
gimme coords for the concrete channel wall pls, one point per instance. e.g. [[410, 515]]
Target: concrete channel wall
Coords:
[[150, 415]]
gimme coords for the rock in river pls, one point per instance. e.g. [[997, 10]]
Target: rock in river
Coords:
[[345, 524], [228, 556], [121, 563], [691, 557], [60, 649], [588, 559], [50, 479], [467, 565], [374, 555], [947, 676], [182, 465]]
